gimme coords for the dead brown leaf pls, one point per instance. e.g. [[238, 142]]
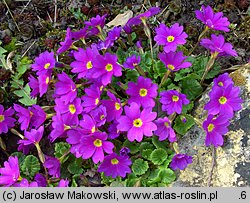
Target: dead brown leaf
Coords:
[[121, 19]]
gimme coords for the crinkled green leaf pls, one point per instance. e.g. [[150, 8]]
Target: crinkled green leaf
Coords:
[[159, 144], [75, 167], [139, 167], [182, 127], [167, 176], [146, 145], [117, 184], [158, 156], [131, 180], [20, 157], [24, 94], [191, 88], [30, 166], [186, 108], [146, 153], [133, 146], [61, 148]]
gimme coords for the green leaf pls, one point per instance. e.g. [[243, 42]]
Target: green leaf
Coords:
[[191, 88], [160, 69], [23, 64], [12, 45], [131, 75], [139, 167], [76, 167], [146, 145], [146, 153], [24, 94], [20, 157], [181, 74], [181, 127], [159, 144], [158, 156], [133, 146], [131, 180], [30, 166], [61, 148], [186, 108], [167, 176], [117, 184]]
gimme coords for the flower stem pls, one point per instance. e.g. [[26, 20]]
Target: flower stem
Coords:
[[48, 116], [164, 79], [140, 71], [16, 133], [40, 153], [61, 159], [123, 45], [148, 34], [2, 144]]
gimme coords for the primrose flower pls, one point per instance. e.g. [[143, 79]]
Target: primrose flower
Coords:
[[81, 34], [91, 99], [174, 61], [53, 166], [105, 67], [44, 62], [215, 129], [34, 85], [218, 45], [172, 101], [124, 151], [132, 61], [70, 110], [222, 81], [104, 45], [113, 107], [10, 173], [96, 21], [180, 161], [137, 123], [25, 183], [112, 130], [164, 130], [115, 165], [127, 28], [88, 125], [114, 34], [99, 114], [143, 93], [215, 21], [43, 81], [6, 120], [83, 64], [32, 137], [67, 43], [224, 101], [65, 88], [41, 180], [171, 37], [63, 183]]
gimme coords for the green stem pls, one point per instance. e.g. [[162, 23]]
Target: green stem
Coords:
[[63, 156], [140, 71], [40, 153], [48, 116], [165, 77], [16, 133]]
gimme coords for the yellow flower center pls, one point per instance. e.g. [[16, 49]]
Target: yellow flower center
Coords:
[[101, 88], [96, 101], [166, 124], [210, 127], [98, 143], [31, 114], [47, 65], [220, 84], [93, 129], [47, 80], [175, 98], [135, 64], [66, 127], [143, 92], [109, 67], [72, 108], [117, 106], [170, 38], [114, 161], [137, 123], [89, 65], [1, 118], [223, 100], [102, 117], [171, 67]]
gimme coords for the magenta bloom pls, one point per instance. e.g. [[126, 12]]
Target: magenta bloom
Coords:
[[70, 110], [224, 101], [137, 123], [171, 37], [32, 137], [83, 64], [34, 85], [114, 34], [53, 166], [63, 183], [99, 114], [67, 43], [143, 93], [81, 34], [174, 61], [41, 180], [180, 161], [112, 130], [43, 81], [6, 121], [132, 61], [98, 21], [164, 130], [215, 129], [115, 165], [91, 99], [88, 124], [215, 21], [25, 183], [10, 173], [105, 67], [65, 88], [113, 107], [218, 45], [172, 101], [223, 81], [43, 63]]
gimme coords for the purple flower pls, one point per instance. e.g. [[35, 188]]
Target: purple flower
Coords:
[[105, 67], [223, 81], [98, 21], [218, 45], [171, 37], [67, 43], [34, 116], [34, 85], [124, 151], [10, 173], [88, 125], [63, 183], [43, 81], [172, 101], [215, 129], [104, 45], [215, 21], [43, 63], [25, 183], [70, 110], [139, 44], [143, 93], [65, 88], [6, 121], [180, 161], [115, 165], [127, 28], [224, 101], [137, 123], [83, 64], [92, 99], [32, 137], [81, 34], [132, 61], [113, 107], [112, 130], [174, 61], [41, 180], [53, 166], [99, 114], [164, 130], [114, 34]]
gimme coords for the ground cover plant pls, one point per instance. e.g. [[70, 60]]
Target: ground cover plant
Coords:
[[120, 103]]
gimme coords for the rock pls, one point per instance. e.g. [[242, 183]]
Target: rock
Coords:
[[232, 160]]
